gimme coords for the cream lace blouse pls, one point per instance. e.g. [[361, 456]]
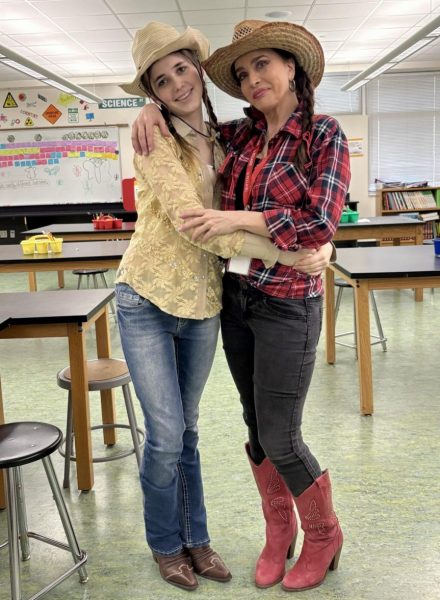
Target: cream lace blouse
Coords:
[[161, 264]]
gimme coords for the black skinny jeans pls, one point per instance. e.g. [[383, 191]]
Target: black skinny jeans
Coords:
[[270, 345]]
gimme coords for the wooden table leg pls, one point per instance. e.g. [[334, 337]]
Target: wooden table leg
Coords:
[[2, 481], [330, 315], [103, 347], [362, 307], [32, 281], [80, 404], [418, 292], [60, 279]]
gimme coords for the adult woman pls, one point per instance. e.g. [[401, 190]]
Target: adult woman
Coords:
[[168, 295], [294, 181]]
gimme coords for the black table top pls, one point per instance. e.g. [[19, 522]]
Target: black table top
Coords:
[[58, 306], [382, 221], [60, 228], [384, 262], [4, 320], [12, 253]]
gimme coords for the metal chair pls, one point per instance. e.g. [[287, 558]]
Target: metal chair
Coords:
[[379, 339], [20, 444], [103, 374]]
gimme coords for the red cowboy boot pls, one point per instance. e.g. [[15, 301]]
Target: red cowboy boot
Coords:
[[322, 537], [281, 526]]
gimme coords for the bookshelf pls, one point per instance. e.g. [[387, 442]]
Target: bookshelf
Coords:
[[412, 201]]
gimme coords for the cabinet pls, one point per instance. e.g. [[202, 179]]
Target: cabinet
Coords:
[[421, 203]]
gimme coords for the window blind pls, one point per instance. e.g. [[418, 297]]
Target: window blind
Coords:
[[404, 127], [329, 99]]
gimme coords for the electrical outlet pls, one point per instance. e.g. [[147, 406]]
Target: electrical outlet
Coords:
[[12, 233], [3, 233]]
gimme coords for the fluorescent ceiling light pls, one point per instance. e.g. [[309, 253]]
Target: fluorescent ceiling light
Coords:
[[413, 44], [59, 86], [15, 65], [11, 59]]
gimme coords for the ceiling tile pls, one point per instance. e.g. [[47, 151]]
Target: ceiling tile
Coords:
[[39, 25], [297, 13], [331, 24], [114, 56], [201, 17], [66, 8], [138, 20], [105, 47], [91, 23], [211, 4], [105, 35], [339, 11], [403, 7], [141, 6], [16, 10]]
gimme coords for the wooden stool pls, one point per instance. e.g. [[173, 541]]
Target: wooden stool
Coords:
[[102, 374], [92, 275], [380, 339], [20, 444]]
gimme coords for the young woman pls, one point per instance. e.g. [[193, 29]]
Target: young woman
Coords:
[[286, 174], [169, 296]]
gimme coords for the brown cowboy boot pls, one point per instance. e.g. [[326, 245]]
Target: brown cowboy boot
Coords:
[[207, 563], [281, 526], [177, 570], [322, 537]]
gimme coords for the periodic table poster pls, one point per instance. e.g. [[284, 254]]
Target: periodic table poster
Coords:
[[64, 165]]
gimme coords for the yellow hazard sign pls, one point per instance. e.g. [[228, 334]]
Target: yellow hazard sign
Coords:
[[29, 122], [9, 102]]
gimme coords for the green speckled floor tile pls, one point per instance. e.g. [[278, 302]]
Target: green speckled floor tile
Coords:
[[385, 470]]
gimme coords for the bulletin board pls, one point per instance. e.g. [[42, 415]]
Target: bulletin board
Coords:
[[63, 165]]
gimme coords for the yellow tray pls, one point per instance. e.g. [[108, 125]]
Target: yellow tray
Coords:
[[42, 244]]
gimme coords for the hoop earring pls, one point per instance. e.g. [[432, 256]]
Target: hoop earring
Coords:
[[292, 85]]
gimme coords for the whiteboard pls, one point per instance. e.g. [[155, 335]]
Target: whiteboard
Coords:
[[63, 165]]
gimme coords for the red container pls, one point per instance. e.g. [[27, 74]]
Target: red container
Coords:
[[107, 223], [117, 223]]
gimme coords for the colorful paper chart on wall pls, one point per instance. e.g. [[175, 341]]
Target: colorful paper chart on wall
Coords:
[[59, 166]]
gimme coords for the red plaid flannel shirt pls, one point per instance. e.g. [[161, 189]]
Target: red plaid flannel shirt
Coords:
[[300, 210]]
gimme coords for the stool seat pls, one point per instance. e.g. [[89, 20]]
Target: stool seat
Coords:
[[89, 271], [22, 443], [26, 442], [102, 374], [107, 372]]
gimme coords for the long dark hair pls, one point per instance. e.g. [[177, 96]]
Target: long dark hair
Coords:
[[306, 95], [188, 151]]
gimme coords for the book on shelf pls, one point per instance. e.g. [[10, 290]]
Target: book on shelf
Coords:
[[429, 216], [409, 200]]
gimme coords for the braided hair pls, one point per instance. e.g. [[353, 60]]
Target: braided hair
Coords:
[[189, 155], [306, 95]]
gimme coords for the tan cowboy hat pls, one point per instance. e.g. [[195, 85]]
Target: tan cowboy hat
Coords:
[[157, 40], [252, 35]]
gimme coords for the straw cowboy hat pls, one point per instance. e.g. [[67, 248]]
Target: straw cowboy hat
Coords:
[[253, 35], [157, 40]]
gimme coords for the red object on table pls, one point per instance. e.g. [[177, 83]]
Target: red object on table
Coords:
[[128, 196]]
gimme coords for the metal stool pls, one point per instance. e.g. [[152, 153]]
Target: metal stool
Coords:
[[92, 274], [380, 339], [102, 374], [20, 444]]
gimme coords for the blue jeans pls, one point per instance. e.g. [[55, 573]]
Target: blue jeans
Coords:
[[169, 361], [270, 345]]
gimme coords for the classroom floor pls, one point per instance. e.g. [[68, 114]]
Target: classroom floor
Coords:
[[385, 470]]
